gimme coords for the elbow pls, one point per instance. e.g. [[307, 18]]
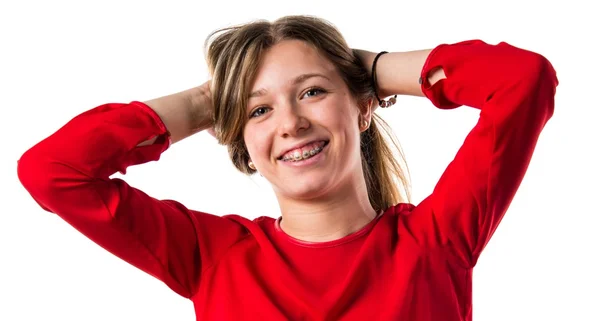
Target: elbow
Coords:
[[32, 177], [541, 71], [525, 67], [537, 80], [39, 176], [547, 81], [26, 170]]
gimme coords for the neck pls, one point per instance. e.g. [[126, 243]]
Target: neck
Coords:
[[329, 218]]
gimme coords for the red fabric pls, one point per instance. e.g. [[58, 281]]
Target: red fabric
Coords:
[[410, 263]]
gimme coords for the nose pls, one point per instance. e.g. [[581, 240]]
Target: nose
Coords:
[[291, 121]]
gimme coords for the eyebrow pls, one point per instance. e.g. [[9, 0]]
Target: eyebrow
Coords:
[[296, 81]]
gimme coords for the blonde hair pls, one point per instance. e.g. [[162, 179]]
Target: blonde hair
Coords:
[[233, 55]]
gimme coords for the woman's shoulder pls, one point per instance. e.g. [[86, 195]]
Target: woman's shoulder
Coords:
[[400, 209]]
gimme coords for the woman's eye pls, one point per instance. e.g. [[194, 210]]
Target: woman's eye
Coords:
[[309, 93], [257, 112], [314, 92]]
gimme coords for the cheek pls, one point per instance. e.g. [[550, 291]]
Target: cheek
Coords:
[[345, 124], [257, 143], [339, 118], [335, 116]]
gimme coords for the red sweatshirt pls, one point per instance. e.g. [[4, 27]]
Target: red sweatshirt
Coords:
[[410, 263]]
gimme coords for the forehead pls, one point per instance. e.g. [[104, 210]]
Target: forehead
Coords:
[[287, 60]]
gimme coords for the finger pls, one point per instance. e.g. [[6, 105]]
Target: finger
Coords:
[[211, 131]]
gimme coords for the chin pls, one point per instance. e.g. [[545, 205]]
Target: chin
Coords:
[[305, 187]]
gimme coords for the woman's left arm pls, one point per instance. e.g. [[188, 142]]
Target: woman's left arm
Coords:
[[514, 89]]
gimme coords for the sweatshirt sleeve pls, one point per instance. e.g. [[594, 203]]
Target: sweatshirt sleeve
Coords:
[[514, 90], [68, 174]]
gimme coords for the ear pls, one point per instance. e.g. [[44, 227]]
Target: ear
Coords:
[[365, 111]]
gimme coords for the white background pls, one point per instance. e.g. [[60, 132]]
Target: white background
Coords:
[[60, 58]]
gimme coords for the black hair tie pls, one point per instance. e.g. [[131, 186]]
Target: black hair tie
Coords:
[[382, 103]]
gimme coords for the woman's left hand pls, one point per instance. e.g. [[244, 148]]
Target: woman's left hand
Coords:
[[366, 58]]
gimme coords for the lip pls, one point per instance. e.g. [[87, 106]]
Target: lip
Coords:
[[310, 161], [280, 157]]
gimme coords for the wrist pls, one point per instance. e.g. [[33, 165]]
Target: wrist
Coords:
[[384, 75], [367, 58], [200, 108], [399, 72]]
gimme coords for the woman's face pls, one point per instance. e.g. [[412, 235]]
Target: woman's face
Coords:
[[298, 98]]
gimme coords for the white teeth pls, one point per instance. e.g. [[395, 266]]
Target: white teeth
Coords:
[[297, 156]]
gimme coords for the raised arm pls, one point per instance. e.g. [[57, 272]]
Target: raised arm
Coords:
[[514, 89], [68, 174]]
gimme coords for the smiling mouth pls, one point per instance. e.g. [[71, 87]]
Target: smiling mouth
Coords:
[[304, 153]]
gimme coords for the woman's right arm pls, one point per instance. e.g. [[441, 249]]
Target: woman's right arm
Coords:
[[68, 173]]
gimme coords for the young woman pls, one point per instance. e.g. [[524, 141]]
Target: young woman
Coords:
[[294, 103]]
